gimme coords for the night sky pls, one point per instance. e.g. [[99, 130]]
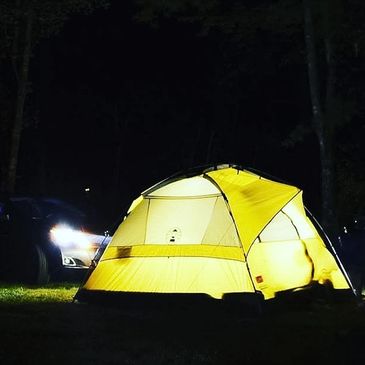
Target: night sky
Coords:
[[118, 105]]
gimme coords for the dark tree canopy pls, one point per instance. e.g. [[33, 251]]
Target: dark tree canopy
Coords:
[[122, 97], [22, 25]]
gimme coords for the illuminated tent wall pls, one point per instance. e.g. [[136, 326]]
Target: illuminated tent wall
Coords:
[[224, 230]]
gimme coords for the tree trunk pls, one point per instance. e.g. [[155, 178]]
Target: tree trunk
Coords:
[[323, 125], [332, 117], [327, 181], [22, 79]]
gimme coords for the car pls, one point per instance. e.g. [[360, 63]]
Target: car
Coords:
[[42, 238]]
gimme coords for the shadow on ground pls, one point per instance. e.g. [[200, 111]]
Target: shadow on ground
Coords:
[[36, 332]]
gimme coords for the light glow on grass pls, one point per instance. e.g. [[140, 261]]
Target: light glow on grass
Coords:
[[45, 294]]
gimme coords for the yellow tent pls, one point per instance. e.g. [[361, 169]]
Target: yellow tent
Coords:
[[222, 230]]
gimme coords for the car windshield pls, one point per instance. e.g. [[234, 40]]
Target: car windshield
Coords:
[[50, 206], [50, 209]]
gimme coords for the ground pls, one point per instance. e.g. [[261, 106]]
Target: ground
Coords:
[[41, 325]]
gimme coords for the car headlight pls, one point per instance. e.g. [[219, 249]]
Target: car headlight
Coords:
[[65, 236]]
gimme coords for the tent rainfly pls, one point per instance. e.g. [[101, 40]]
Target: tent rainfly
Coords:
[[219, 231]]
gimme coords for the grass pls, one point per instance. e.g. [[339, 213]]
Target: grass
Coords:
[[41, 325], [54, 293]]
